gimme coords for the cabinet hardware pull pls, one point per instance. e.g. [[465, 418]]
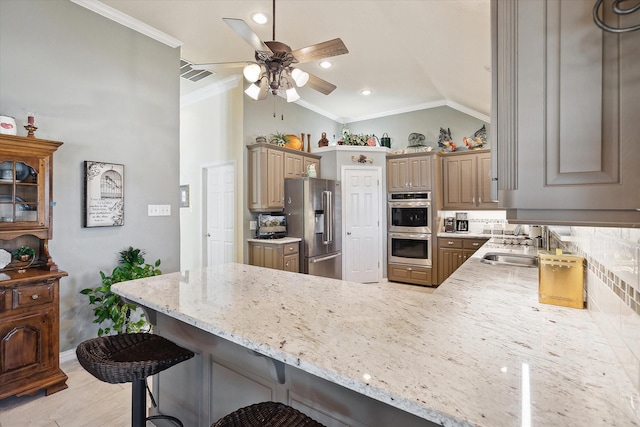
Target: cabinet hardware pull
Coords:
[[450, 242], [34, 296], [476, 244]]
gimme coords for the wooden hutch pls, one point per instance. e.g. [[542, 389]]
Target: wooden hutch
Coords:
[[29, 288]]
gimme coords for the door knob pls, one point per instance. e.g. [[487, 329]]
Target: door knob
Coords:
[[348, 233], [208, 235]]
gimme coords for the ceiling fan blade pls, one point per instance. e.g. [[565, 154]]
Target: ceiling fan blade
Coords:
[[220, 65], [243, 30], [278, 46], [321, 50], [320, 85]]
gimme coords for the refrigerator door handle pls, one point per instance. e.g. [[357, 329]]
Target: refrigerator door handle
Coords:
[[326, 258], [327, 201]]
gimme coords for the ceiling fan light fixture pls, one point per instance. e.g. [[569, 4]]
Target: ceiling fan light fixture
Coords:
[[252, 72], [253, 91], [300, 77], [259, 18], [292, 94]]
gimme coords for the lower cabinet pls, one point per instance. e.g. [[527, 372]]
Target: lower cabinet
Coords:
[[409, 274], [29, 334], [453, 252], [273, 254]]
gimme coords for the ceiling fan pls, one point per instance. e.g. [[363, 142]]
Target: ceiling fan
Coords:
[[272, 70]]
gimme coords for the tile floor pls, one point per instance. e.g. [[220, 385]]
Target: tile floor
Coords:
[[87, 402]]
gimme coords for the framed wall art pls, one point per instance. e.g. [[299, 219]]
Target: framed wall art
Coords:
[[103, 194]]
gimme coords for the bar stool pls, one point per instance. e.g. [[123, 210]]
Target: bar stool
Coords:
[[131, 358], [266, 414]]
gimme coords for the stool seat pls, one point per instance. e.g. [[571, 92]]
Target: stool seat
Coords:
[[266, 414], [125, 358], [131, 358]]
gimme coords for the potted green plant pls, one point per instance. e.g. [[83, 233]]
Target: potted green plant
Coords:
[[24, 253], [109, 307]]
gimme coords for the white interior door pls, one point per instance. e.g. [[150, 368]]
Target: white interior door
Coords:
[[362, 228], [220, 242]]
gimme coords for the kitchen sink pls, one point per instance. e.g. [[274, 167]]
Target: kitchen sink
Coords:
[[518, 260]]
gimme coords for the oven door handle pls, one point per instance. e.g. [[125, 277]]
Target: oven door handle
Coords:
[[409, 236], [410, 204]]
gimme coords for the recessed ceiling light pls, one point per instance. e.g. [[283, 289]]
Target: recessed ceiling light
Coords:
[[326, 64], [259, 18], [365, 92]]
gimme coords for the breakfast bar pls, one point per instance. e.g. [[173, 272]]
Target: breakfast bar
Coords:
[[479, 351]]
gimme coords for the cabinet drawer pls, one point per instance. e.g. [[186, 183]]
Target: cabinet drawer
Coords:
[[29, 296], [474, 244], [406, 274], [450, 243], [291, 248]]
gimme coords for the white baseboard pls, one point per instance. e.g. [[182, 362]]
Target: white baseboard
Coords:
[[68, 356]]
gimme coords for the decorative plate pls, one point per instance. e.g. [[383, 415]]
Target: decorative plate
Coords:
[[5, 258]]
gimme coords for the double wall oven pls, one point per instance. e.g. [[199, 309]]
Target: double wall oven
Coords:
[[409, 228]]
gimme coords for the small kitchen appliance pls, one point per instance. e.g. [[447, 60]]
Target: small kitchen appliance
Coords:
[[271, 226], [449, 224], [462, 222], [560, 279]]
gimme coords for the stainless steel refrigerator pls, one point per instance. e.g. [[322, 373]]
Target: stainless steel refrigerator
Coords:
[[313, 210]]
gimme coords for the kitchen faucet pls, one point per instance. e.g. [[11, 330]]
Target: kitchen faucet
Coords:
[[546, 238]]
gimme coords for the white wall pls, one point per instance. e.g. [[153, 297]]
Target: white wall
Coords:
[[210, 134], [109, 94]]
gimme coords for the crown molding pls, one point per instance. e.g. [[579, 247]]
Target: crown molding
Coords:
[[468, 111], [129, 22], [209, 91]]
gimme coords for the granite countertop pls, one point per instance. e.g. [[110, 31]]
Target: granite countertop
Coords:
[[479, 351], [280, 241]]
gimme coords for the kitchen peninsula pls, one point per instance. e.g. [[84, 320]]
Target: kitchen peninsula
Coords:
[[479, 351]]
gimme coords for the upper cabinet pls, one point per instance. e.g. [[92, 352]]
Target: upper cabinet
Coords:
[[409, 173], [26, 176], [467, 180], [566, 97], [269, 166]]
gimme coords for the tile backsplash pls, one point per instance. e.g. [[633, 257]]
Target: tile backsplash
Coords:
[[612, 283]]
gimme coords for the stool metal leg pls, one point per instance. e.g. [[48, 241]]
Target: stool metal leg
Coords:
[[138, 404]]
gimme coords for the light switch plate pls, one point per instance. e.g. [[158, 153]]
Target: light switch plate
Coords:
[[159, 210]]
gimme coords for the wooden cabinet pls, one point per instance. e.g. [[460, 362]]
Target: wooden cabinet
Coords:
[[293, 165], [467, 181], [268, 166], [311, 161], [566, 97], [409, 173], [29, 289], [272, 254], [453, 252], [409, 274]]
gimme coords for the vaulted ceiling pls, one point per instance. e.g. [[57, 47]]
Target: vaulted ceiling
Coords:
[[412, 54]]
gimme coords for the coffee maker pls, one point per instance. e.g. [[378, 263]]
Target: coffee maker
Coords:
[[462, 222]]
